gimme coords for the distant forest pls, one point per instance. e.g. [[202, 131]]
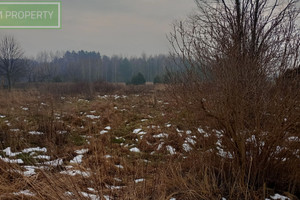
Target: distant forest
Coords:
[[83, 66]]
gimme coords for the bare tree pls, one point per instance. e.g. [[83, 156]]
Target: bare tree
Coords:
[[11, 59], [232, 52]]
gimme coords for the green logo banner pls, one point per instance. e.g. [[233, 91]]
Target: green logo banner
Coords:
[[16, 14]]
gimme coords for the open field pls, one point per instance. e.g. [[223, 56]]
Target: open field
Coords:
[[118, 145]]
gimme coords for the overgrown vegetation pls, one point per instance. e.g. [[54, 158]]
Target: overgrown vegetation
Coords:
[[226, 125], [237, 57]]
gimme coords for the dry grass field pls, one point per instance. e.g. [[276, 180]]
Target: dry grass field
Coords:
[[123, 143]]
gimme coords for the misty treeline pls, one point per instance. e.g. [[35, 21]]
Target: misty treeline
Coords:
[[85, 66]]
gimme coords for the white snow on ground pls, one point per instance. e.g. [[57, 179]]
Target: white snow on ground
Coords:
[[103, 132], [91, 189], [159, 146], [278, 197], [30, 170], [24, 192], [107, 156], [82, 151], [107, 128], [54, 163], [112, 187], [117, 179], [2, 116], [293, 139], [18, 161], [168, 125], [61, 132], [24, 108], [91, 196], [190, 140], [39, 149], [161, 135], [14, 130], [135, 149], [139, 180], [119, 166], [136, 131], [75, 172], [9, 153], [186, 147], [179, 131], [171, 149], [35, 133], [77, 159], [92, 116], [142, 133], [42, 157]]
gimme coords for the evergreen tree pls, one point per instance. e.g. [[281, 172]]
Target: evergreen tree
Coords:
[[138, 79]]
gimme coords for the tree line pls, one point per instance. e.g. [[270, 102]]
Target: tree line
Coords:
[[77, 66]]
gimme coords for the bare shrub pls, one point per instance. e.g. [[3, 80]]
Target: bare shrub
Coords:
[[235, 53]]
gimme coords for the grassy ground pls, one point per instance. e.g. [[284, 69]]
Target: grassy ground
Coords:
[[118, 145]]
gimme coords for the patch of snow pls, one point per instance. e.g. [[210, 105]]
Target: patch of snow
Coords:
[[107, 128], [16, 161], [103, 132], [139, 180], [144, 120], [30, 170], [190, 140], [82, 151], [77, 159], [2, 116], [39, 149], [136, 131], [61, 132], [142, 133], [135, 149], [171, 149], [179, 131], [35, 133], [54, 163], [279, 197], [106, 197], [91, 196], [119, 166], [293, 139], [168, 125], [75, 172], [159, 146], [24, 192], [42, 157], [9, 153], [24, 108], [161, 135], [112, 187], [91, 189], [186, 147], [117, 179], [92, 116], [15, 130]]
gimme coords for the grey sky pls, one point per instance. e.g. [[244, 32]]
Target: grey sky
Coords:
[[121, 27]]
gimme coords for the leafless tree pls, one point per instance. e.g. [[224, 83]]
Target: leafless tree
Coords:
[[11, 59], [233, 51]]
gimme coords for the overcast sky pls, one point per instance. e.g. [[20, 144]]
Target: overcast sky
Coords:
[[112, 27]]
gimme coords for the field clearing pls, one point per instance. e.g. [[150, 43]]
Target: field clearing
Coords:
[[105, 146]]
